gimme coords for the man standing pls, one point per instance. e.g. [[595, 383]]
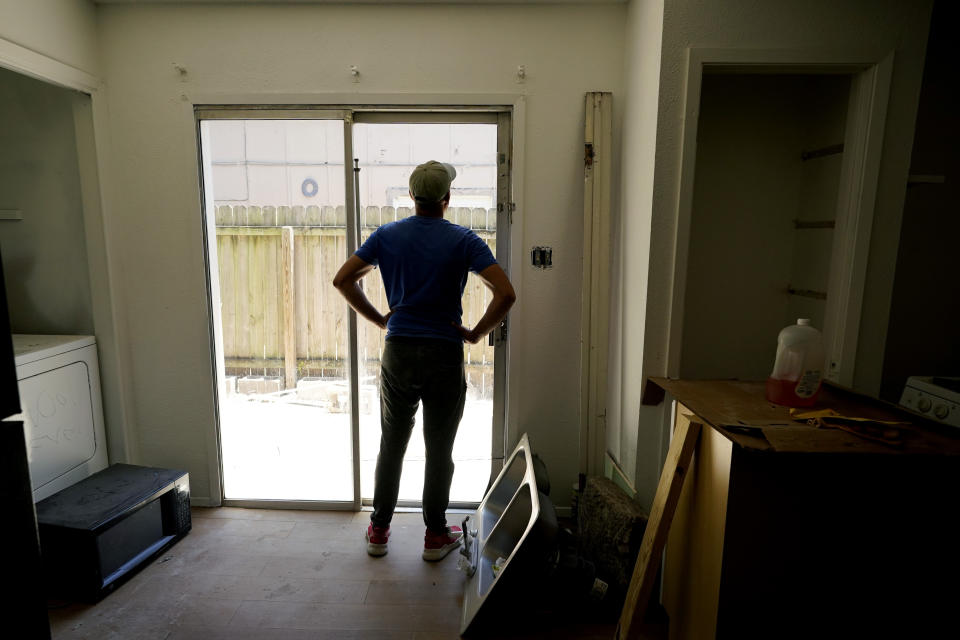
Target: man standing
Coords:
[[424, 260]]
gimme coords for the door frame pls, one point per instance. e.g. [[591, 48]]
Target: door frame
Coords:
[[863, 141], [255, 106]]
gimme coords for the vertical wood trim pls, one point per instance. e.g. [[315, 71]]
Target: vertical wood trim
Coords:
[[600, 280], [289, 309], [595, 291], [586, 261], [684, 442]]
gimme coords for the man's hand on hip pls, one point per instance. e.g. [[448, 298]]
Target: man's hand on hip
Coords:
[[469, 335]]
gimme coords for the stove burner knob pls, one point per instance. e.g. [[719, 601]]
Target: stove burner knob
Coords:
[[941, 411], [924, 404]]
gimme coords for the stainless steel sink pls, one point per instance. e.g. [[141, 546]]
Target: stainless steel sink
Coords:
[[508, 528]]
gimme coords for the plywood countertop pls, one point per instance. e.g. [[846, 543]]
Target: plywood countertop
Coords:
[[740, 411]]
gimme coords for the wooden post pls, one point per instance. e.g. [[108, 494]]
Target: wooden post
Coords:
[[684, 442], [289, 310]]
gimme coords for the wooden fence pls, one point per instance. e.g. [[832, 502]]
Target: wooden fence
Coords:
[[281, 315]]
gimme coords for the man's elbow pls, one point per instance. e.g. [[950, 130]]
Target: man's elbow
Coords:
[[508, 298], [340, 282]]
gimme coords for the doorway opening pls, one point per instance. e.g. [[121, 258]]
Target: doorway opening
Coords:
[[765, 198], [289, 195]]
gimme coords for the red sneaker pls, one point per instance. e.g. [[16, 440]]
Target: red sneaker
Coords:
[[377, 540], [437, 545]]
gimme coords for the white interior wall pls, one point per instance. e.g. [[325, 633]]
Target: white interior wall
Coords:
[[44, 254], [64, 30], [260, 52], [862, 26]]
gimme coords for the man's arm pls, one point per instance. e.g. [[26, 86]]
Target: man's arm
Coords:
[[347, 282], [503, 298]]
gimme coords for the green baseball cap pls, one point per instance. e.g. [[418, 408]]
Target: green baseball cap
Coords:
[[430, 181]]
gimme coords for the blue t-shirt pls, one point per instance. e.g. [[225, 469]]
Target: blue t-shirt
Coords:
[[424, 264]]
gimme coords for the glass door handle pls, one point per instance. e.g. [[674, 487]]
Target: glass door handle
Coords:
[[502, 328]]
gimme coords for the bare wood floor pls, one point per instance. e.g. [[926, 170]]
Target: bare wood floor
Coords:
[[299, 575]]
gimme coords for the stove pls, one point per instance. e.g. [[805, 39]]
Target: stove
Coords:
[[937, 398]]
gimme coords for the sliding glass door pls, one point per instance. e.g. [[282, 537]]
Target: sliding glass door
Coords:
[[288, 196]]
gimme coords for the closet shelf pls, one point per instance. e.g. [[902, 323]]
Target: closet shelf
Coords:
[[823, 151], [807, 293], [814, 224]]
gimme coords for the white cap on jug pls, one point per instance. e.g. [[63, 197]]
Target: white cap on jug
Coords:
[[803, 321]]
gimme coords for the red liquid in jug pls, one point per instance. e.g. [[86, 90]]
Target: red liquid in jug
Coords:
[[784, 392]]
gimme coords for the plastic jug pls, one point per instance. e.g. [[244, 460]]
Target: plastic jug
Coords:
[[798, 371]]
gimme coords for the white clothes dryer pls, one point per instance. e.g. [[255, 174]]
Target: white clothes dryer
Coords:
[[59, 382]]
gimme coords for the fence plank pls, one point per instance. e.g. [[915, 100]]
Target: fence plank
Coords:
[[242, 296], [329, 216], [266, 302], [323, 337], [224, 216], [275, 300], [300, 294], [298, 216], [478, 218], [371, 216], [336, 306], [289, 309], [269, 216], [227, 259]]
